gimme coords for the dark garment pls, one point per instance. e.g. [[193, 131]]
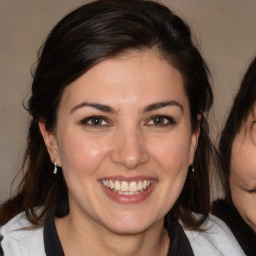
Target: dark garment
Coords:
[[1, 249], [246, 237], [51, 240], [180, 245]]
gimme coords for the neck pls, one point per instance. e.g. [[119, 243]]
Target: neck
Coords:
[[78, 237]]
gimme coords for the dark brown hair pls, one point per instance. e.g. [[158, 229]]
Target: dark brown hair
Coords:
[[242, 105], [86, 36]]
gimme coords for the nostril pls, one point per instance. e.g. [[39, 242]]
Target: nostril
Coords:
[[130, 153], [129, 148]]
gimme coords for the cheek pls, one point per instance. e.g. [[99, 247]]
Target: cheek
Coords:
[[84, 155], [245, 204], [172, 153], [172, 160], [250, 207], [247, 210], [243, 160], [239, 161]]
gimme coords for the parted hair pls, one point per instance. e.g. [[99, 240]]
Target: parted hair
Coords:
[[86, 36]]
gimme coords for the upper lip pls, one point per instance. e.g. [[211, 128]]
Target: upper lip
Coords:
[[128, 179]]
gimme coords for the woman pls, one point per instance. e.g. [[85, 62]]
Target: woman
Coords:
[[237, 148], [117, 105]]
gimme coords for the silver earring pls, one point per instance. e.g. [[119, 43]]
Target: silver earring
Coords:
[[55, 168], [191, 168]]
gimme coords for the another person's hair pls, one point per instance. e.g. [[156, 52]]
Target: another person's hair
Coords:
[[241, 108], [85, 37]]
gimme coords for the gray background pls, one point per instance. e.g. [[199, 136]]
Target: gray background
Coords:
[[225, 29]]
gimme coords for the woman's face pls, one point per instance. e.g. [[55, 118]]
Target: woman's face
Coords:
[[243, 172], [124, 142]]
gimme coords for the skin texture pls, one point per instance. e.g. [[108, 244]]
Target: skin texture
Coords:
[[243, 171], [129, 143]]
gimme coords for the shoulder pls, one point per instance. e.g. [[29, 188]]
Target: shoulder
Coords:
[[217, 239], [19, 238]]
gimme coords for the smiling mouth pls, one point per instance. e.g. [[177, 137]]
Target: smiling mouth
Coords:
[[127, 188]]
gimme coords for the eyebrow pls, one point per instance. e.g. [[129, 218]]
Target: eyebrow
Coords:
[[108, 109], [163, 104], [101, 107]]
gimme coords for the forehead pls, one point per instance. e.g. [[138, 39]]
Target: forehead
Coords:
[[134, 77]]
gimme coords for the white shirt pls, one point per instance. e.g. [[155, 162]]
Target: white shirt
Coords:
[[217, 240]]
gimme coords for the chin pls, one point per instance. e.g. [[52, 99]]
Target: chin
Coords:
[[128, 229], [130, 225]]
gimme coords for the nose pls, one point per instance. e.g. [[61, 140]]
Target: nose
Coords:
[[129, 149]]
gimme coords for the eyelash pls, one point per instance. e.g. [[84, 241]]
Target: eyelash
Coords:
[[251, 191], [167, 120], [96, 121]]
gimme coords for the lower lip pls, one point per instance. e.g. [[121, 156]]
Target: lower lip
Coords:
[[128, 199]]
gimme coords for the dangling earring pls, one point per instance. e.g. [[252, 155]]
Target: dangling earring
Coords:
[[191, 168], [55, 168]]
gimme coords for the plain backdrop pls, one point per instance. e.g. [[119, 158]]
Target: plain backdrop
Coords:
[[225, 30]]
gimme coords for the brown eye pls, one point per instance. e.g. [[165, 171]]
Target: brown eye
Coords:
[[161, 121], [95, 121]]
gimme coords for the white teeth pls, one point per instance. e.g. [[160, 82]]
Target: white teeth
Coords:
[[111, 184], [117, 185], [144, 185], [124, 186], [133, 186], [140, 185], [127, 188]]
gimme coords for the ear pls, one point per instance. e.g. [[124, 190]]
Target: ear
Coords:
[[51, 143], [194, 140]]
